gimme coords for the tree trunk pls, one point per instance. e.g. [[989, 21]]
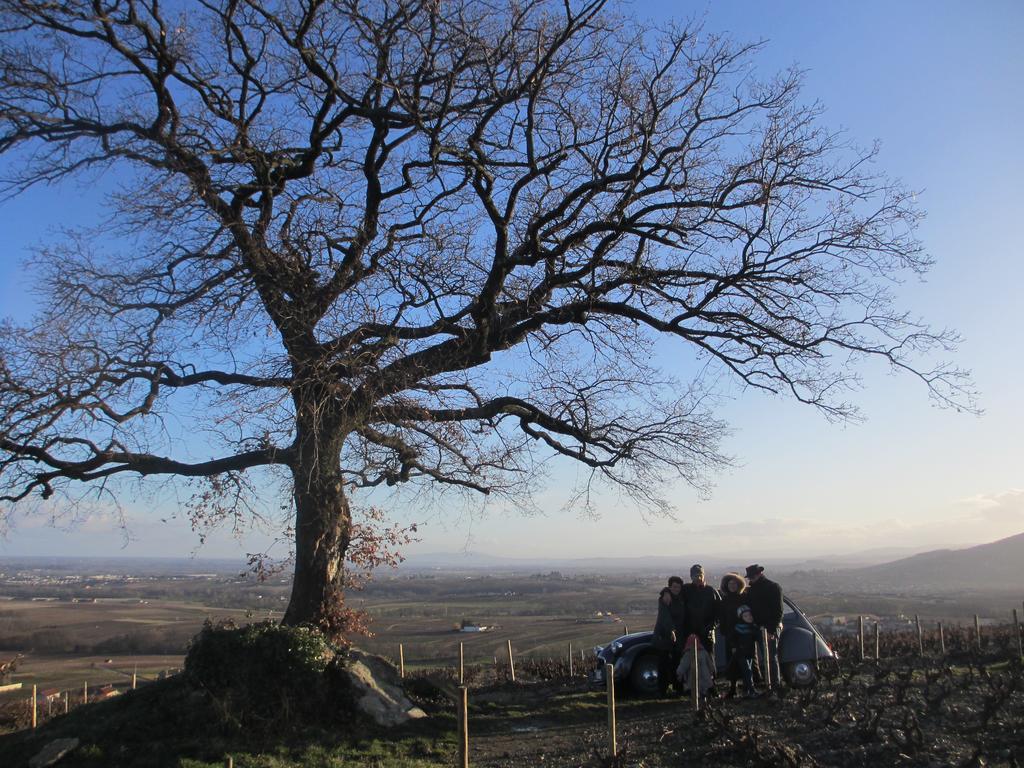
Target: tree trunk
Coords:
[[323, 525]]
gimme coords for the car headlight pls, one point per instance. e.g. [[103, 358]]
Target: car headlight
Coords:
[[598, 649], [616, 647]]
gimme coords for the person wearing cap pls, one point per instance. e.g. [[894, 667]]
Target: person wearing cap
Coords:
[[764, 597], [702, 605]]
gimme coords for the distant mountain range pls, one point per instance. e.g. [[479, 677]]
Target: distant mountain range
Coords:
[[994, 566], [661, 564], [478, 561], [997, 565]]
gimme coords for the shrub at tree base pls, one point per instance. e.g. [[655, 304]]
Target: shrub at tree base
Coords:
[[267, 674]]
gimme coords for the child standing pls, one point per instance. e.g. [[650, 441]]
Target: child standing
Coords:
[[705, 672], [744, 648]]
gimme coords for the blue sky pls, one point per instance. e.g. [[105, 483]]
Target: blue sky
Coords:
[[939, 84]]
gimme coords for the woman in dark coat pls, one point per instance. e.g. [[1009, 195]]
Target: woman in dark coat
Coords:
[[664, 640], [678, 609], [733, 597]]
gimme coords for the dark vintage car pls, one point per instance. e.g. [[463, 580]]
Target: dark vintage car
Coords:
[[636, 661]]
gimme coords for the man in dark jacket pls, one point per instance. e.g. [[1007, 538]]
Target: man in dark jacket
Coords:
[[702, 607], [764, 597]]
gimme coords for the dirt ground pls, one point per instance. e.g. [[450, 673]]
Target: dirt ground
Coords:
[[965, 710], [899, 713]]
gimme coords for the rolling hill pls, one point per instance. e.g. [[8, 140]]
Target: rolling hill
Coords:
[[994, 566]]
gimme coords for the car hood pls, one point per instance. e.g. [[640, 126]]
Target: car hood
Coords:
[[625, 642]]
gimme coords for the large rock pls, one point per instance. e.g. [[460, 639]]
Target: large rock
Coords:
[[53, 752], [378, 690]]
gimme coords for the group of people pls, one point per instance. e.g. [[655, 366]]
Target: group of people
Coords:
[[688, 615]]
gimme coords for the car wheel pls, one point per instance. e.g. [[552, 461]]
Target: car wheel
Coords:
[[643, 677], [801, 674]]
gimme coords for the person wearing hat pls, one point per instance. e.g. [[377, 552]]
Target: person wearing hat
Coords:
[[764, 597], [702, 605]]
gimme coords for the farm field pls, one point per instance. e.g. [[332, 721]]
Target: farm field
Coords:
[[69, 672], [64, 643], [432, 642], [90, 622], [121, 624]]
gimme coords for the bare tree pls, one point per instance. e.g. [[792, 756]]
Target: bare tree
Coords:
[[368, 243]]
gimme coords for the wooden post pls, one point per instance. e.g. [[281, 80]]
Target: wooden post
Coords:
[[759, 654], [67, 702], [860, 634], [570, 651], [85, 692], [767, 659], [920, 637], [462, 668], [625, 627], [878, 643], [135, 677], [609, 681], [463, 726], [35, 701], [401, 661], [942, 641], [977, 632], [511, 662], [229, 762], [695, 679], [1016, 631]]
